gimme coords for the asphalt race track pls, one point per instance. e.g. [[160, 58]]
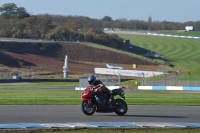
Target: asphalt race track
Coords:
[[72, 114]]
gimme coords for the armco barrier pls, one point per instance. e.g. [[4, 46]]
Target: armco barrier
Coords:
[[183, 88], [167, 35]]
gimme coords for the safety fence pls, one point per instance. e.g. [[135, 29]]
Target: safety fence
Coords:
[[23, 75], [174, 79], [107, 80], [5, 75]]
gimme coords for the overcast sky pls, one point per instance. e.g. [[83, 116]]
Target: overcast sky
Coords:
[[159, 10]]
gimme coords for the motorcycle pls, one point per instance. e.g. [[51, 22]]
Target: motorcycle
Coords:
[[95, 100]]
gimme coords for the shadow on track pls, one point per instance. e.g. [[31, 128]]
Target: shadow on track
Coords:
[[147, 116]]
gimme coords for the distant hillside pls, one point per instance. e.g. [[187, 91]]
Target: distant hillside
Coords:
[[50, 57], [81, 52]]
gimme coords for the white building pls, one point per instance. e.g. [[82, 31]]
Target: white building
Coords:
[[189, 28]]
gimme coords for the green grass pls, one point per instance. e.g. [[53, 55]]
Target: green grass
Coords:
[[132, 83], [183, 53], [163, 99], [64, 93], [40, 85], [71, 96], [37, 97]]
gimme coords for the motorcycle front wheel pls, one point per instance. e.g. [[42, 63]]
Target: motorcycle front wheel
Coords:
[[120, 107], [88, 109]]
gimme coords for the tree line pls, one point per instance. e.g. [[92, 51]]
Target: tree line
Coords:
[[16, 22]]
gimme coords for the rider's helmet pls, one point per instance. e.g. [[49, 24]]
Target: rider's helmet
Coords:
[[91, 79]]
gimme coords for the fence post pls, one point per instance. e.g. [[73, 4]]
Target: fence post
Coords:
[[176, 78], [190, 79], [165, 78], [107, 80], [154, 79], [119, 80], [10, 74], [142, 79]]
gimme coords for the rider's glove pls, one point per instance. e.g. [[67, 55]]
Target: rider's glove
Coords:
[[95, 90]]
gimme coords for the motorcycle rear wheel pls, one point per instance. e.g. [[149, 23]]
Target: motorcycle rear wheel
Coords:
[[87, 109], [120, 107]]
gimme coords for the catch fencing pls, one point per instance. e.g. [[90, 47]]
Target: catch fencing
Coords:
[[174, 79], [106, 79], [23, 75], [5, 75]]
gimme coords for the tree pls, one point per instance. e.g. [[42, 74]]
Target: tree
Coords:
[[107, 18], [72, 26], [10, 10], [91, 31], [149, 23], [21, 13], [58, 33], [88, 37]]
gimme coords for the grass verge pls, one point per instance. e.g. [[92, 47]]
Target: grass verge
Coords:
[[40, 85], [68, 95]]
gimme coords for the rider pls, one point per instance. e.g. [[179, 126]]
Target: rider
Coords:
[[93, 81]]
